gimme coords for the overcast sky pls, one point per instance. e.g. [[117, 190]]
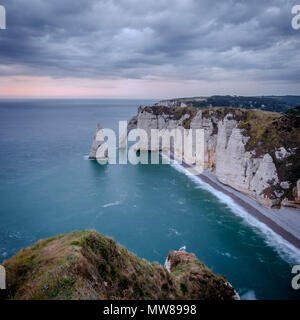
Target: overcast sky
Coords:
[[148, 49]]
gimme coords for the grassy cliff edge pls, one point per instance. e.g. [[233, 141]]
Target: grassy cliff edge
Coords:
[[88, 265]]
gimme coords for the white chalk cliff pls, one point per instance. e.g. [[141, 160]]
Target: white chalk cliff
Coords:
[[251, 172]]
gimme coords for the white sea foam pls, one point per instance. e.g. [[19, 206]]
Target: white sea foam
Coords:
[[249, 295], [226, 254], [285, 249], [173, 231], [111, 204]]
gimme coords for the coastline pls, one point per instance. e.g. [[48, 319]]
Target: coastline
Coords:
[[284, 222], [267, 216]]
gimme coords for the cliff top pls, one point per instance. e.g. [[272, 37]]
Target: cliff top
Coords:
[[270, 103], [88, 265], [268, 132]]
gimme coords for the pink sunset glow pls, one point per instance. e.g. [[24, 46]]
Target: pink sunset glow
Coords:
[[47, 87]]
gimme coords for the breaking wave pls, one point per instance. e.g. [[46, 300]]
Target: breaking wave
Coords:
[[286, 250]]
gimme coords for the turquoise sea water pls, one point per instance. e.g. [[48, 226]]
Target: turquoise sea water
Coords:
[[47, 187]]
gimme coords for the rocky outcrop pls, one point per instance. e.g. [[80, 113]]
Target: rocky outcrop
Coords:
[[195, 277], [281, 153], [97, 145], [255, 152], [87, 265]]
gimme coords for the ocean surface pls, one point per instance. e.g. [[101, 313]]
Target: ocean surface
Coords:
[[48, 187]]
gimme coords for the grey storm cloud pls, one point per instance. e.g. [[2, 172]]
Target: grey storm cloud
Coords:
[[167, 39]]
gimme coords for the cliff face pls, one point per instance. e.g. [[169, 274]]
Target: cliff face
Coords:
[[255, 152], [88, 265]]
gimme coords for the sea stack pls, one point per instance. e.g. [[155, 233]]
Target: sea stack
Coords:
[[98, 141]]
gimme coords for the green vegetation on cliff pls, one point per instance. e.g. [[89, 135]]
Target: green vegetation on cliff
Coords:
[[268, 103], [88, 265], [266, 133]]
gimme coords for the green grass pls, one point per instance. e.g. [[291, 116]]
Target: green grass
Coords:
[[79, 264]]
